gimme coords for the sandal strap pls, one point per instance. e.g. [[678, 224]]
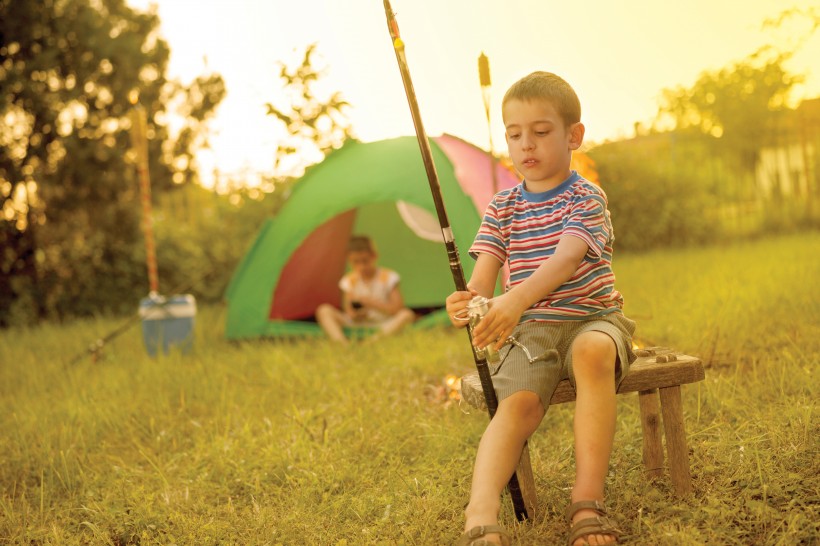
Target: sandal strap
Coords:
[[596, 505], [471, 537], [599, 525]]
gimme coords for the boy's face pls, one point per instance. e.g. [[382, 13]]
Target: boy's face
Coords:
[[540, 145], [362, 262]]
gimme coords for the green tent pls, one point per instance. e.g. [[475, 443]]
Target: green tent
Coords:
[[379, 189]]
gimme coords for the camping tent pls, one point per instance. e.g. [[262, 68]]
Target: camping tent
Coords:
[[379, 189]]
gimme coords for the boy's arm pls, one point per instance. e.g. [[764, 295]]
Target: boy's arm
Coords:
[[485, 275], [507, 309], [482, 282]]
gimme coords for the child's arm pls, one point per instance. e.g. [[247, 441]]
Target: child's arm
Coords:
[[391, 306], [348, 308], [481, 282], [507, 309]]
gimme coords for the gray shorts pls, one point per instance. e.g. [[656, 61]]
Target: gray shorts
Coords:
[[552, 341]]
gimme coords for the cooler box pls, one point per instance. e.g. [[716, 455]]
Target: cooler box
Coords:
[[168, 322]]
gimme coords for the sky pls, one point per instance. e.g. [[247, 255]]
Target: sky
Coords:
[[617, 55]]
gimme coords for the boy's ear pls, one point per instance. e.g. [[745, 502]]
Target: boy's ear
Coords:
[[576, 135]]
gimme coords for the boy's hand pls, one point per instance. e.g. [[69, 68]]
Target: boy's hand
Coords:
[[456, 304], [500, 321]]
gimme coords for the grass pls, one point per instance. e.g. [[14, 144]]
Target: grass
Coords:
[[303, 443]]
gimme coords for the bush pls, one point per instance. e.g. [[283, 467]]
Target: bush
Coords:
[[201, 238], [658, 193]]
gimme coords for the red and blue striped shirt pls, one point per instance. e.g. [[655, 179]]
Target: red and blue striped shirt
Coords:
[[524, 228]]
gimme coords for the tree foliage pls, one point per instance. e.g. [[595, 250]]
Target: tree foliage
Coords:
[[697, 180], [315, 125], [198, 103], [69, 224], [738, 105], [811, 16]]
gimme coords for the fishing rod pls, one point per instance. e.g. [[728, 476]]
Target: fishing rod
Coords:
[[523, 507]]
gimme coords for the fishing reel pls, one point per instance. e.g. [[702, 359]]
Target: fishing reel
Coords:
[[477, 309]]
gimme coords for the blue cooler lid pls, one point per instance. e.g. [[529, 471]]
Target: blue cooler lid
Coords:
[[157, 307]]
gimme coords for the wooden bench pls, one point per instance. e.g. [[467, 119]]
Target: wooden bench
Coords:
[[657, 376]]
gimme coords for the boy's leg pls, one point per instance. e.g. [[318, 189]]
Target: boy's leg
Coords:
[[518, 416], [593, 363], [331, 320]]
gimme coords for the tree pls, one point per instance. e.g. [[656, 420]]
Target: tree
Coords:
[[809, 16], [199, 101], [737, 105], [314, 125], [69, 225]]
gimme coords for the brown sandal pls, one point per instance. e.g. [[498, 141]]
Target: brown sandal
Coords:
[[599, 525], [473, 536]]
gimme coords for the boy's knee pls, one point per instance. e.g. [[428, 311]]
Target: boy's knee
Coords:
[[523, 406], [593, 352]]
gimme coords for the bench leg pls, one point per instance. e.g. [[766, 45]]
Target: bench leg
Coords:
[[672, 409], [651, 427], [526, 482]]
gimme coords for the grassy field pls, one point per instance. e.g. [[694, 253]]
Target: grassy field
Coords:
[[304, 443]]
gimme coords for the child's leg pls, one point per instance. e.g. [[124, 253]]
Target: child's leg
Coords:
[[398, 321], [331, 320], [518, 416], [593, 364]]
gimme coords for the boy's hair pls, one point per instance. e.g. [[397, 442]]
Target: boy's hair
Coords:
[[361, 243], [547, 86]]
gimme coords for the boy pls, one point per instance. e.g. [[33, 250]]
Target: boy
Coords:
[[370, 296], [560, 303]]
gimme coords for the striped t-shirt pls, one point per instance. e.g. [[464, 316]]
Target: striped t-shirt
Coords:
[[524, 228]]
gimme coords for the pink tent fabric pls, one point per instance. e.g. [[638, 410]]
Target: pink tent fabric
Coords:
[[472, 169]]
